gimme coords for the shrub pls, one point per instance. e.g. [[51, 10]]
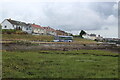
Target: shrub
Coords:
[[20, 32], [23, 42], [84, 44], [12, 31], [96, 40], [8, 31]]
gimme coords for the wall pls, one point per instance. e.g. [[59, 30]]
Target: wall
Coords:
[[24, 28]]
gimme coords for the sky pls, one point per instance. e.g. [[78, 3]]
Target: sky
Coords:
[[100, 18]]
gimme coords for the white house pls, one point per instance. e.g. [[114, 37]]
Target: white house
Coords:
[[50, 31], [37, 29], [7, 25], [18, 25], [89, 36]]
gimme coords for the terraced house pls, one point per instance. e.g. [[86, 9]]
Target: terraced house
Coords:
[[60, 32], [29, 28], [37, 29], [50, 31]]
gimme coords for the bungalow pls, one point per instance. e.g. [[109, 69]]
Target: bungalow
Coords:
[[18, 25], [50, 31], [90, 36], [60, 32], [37, 29]]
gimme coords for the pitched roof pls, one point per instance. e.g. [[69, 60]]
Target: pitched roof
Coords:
[[61, 31], [49, 29], [92, 34], [37, 26], [17, 22]]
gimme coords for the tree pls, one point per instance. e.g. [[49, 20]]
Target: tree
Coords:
[[82, 33]]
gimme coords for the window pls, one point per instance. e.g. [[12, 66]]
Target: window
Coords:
[[19, 28], [27, 28], [5, 26]]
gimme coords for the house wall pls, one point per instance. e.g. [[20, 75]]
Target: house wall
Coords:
[[89, 37], [44, 31], [39, 31], [7, 24], [93, 37], [51, 33], [27, 29]]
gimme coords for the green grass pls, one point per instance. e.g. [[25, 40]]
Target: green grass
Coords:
[[27, 37], [44, 38], [81, 40], [60, 64]]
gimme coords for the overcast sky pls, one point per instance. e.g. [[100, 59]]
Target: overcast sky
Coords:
[[93, 17]]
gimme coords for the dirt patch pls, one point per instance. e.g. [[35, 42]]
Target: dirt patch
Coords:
[[61, 47]]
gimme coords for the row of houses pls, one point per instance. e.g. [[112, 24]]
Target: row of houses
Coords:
[[31, 28]]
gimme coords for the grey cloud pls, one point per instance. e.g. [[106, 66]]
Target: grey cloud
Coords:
[[73, 17]]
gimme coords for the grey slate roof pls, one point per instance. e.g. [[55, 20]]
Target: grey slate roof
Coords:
[[17, 22]]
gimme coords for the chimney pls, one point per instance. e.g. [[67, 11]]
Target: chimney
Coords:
[[9, 18]]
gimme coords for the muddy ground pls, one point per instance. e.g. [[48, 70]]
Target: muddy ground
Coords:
[[61, 47]]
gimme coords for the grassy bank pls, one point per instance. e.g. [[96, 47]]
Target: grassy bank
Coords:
[[27, 37], [60, 64], [83, 41], [44, 38]]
